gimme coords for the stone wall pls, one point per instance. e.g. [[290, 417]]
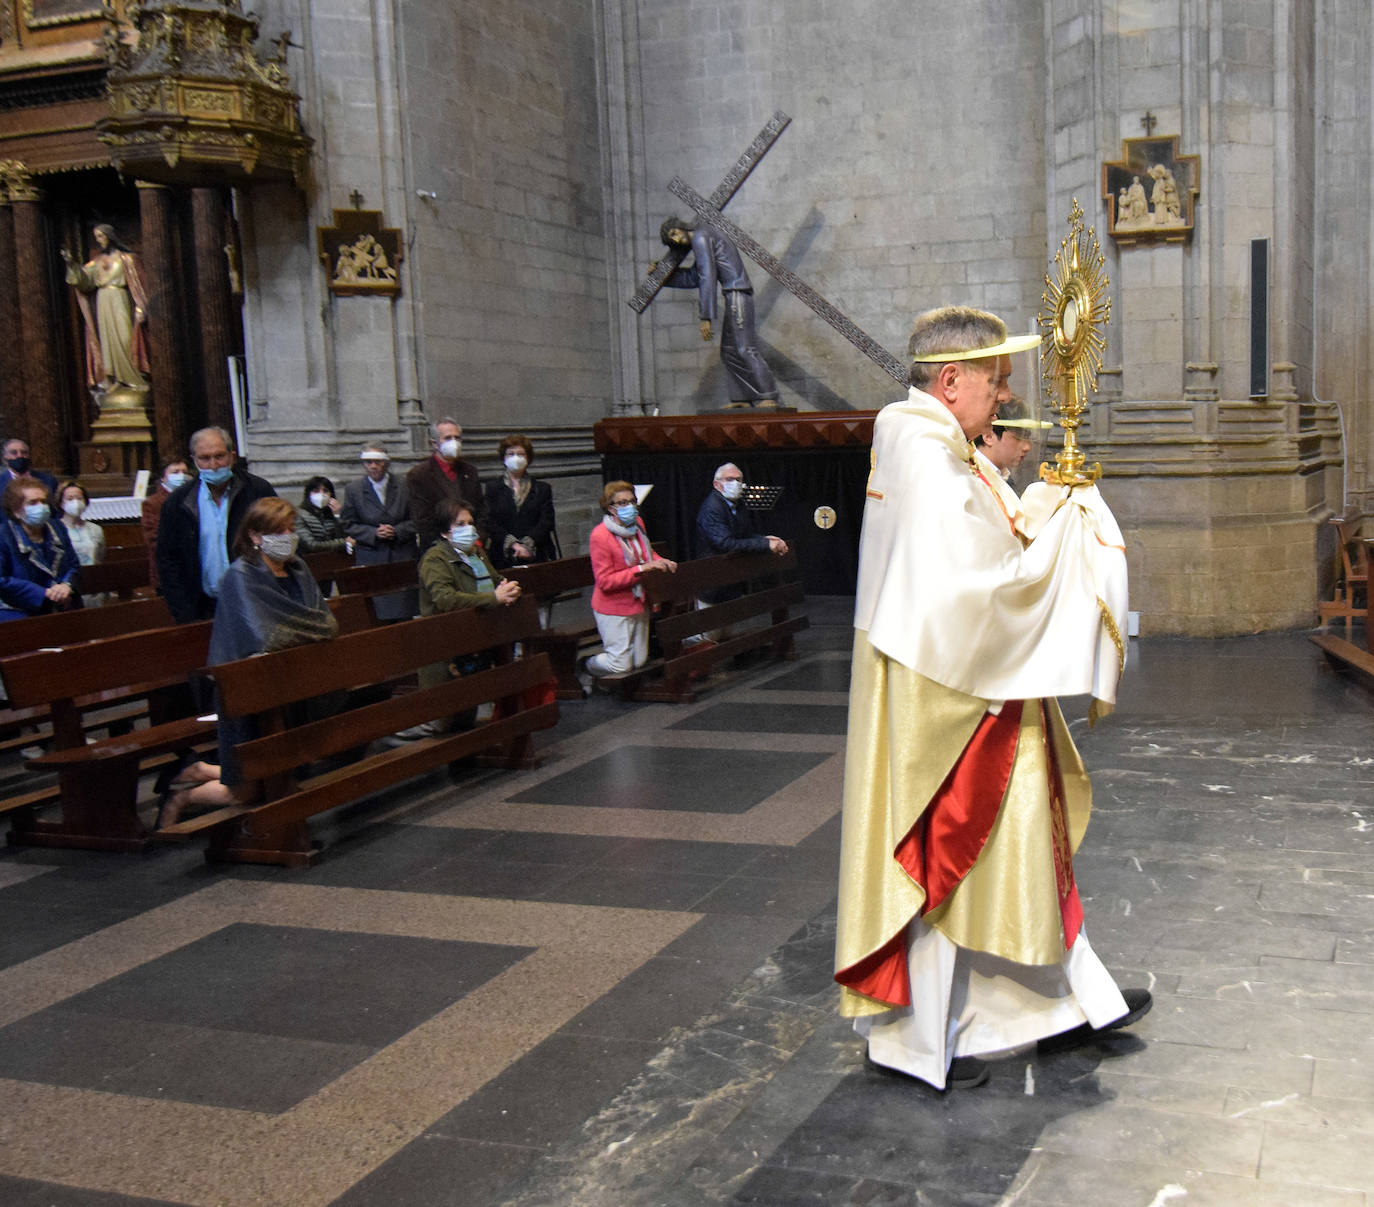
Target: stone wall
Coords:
[[896, 188], [474, 129]]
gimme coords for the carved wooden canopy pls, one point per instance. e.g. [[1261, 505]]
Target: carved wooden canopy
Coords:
[[191, 103]]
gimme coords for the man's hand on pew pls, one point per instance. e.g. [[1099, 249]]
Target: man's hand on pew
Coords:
[[507, 591], [777, 545]]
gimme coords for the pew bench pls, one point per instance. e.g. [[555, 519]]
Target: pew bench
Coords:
[[61, 629], [384, 578], [274, 829], [770, 589], [548, 582], [97, 781], [121, 577]]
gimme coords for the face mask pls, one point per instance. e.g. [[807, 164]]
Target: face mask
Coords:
[[218, 476], [74, 507], [515, 462], [279, 546], [450, 448], [20, 465], [732, 490], [318, 499], [36, 513], [174, 479], [463, 537], [626, 513]]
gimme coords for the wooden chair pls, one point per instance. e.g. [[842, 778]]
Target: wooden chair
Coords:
[[1354, 579]]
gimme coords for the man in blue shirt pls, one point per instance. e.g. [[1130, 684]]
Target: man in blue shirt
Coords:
[[199, 522], [717, 262]]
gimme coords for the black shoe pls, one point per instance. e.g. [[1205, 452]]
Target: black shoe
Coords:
[[1138, 1003], [965, 1073]]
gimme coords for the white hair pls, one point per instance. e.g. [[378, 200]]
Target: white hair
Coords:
[[723, 468], [210, 431], [438, 423]]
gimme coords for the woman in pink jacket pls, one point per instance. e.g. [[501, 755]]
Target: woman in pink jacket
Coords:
[[620, 556]]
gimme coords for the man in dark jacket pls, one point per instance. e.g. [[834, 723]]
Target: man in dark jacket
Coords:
[[444, 478], [376, 514], [199, 523], [18, 465], [726, 525]]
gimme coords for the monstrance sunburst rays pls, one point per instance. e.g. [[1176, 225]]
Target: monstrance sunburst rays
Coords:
[[1078, 307]]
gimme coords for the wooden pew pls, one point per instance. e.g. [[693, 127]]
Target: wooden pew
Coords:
[[385, 578], [770, 589], [381, 579], [275, 830], [67, 628], [326, 567], [82, 624], [119, 576], [1346, 656], [547, 582], [97, 782], [552, 581]]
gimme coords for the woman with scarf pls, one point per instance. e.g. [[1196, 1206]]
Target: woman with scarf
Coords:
[[317, 523], [268, 601], [520, 509], [38, 566], [620, 556]]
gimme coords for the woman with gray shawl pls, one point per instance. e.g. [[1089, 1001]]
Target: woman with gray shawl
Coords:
[[268, 601]]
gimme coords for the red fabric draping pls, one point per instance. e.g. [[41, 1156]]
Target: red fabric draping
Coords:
[[945, 843]]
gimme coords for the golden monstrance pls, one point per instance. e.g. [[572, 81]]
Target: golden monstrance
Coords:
[[1078, 308]]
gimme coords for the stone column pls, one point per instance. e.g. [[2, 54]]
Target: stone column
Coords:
[[38, 329], [162, 280], [212, 286], [13, 416]]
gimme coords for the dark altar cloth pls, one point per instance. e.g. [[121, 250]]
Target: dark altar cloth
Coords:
[[818, 458]]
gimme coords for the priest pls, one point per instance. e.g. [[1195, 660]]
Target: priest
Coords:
[[960, 931]]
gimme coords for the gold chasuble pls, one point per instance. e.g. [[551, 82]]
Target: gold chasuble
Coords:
[[964, 796]]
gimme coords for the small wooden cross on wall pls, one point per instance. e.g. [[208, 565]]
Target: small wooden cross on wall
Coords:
[[1149, 121], [357, 198]]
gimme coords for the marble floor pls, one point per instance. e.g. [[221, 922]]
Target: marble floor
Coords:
[[605, 982]]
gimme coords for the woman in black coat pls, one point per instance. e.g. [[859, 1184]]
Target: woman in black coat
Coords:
[[520, 517]]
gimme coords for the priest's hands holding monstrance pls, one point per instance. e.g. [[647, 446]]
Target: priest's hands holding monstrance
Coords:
[[1065, 506]]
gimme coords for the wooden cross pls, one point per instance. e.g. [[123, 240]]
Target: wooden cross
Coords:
[[726, 189], [1149, 121], [789, 280], [708, 210], [357, 198]]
